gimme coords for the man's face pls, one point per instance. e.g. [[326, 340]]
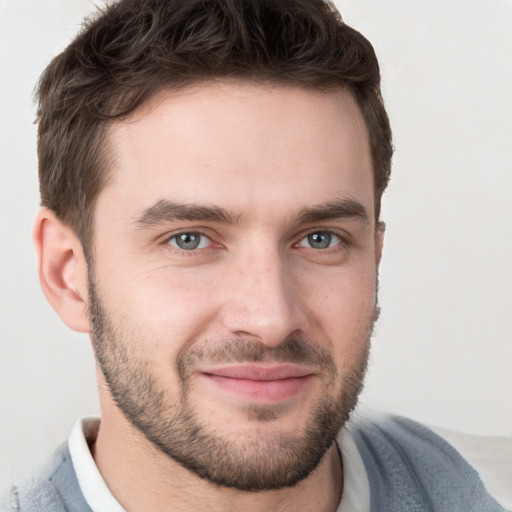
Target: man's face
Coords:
[[233, 290]]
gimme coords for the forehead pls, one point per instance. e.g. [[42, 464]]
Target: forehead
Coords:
[[240, 144]]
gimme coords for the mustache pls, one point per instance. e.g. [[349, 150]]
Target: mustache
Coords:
[[296, 350]]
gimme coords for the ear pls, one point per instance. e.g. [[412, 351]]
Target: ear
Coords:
[[380, 229], [62, 269]]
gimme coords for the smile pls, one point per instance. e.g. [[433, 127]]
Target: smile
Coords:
[[262, 384]]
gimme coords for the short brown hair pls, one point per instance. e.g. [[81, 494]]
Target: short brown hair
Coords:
[[133, 49]]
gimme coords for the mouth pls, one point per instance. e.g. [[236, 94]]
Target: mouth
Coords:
[[258, 383]]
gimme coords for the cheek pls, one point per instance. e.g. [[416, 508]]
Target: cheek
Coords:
[[344, 308], [171, 308], [153, 320]]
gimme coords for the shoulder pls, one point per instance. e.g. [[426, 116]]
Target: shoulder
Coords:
[[54, 488], [408, 463], [491, 456]]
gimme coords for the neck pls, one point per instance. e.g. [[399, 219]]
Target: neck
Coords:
[[142, 478]]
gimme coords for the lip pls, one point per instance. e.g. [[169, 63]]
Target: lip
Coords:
[[260, 383]]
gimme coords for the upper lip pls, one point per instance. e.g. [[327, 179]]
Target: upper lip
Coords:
[[260, 373]]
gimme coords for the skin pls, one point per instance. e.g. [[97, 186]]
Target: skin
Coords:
[[266, 155]]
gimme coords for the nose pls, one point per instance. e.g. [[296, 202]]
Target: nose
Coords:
[[263, 301]]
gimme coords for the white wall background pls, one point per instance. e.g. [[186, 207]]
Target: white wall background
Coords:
[[442, 352]]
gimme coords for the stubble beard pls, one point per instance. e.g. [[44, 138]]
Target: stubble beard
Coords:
[[254, 463]]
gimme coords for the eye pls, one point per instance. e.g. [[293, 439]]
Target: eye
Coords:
[[320, 240], [189, 241]]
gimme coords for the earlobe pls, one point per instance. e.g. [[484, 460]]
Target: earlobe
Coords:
[[62, 269]]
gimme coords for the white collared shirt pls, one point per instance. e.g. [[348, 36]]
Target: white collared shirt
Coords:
[[92, 485]]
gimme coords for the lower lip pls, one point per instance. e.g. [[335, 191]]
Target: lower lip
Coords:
[[259, 390]]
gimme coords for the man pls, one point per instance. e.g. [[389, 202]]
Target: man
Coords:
[[211, 176]]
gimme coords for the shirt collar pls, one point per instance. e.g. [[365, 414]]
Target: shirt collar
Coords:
[[93, 487]]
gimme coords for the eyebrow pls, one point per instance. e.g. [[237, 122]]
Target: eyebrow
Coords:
[[167, 211], [340, 209]]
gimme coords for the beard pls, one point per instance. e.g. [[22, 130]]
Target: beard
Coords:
[[253, 463]]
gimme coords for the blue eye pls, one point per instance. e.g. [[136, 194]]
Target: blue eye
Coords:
[[320, 240], [189, 241]]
